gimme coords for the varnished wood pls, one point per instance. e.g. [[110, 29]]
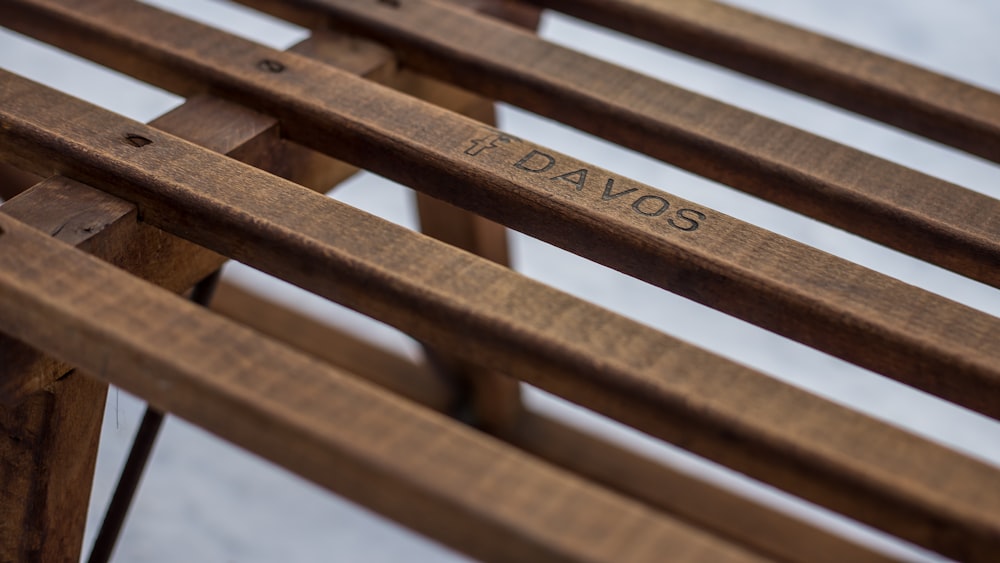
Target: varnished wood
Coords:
[[906, 210], [494, 400], [924, 102], [409, 463], [492, 316], [868, 319]]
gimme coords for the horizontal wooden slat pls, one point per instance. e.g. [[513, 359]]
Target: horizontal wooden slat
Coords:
[[336, 347], [874, 321], [104, 226], [909, 97], [442, 295], [409, 463], [906, 210], [620, 470]]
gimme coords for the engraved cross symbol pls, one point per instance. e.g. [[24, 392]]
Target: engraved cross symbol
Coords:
[[488, 142]]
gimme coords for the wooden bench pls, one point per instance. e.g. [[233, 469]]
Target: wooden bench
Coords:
[[402, 88]]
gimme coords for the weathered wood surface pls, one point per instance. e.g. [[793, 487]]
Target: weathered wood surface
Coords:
[[336, 347], [627, 473], [102, 225], [906, 210], [48, 448], [708, 405], [909, 97], [828, 303], [50, 431], [409, 463], [106, 227]]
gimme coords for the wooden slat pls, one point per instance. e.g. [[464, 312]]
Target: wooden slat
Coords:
[[707, 404], [920, 101], [833, 305], [409, 463], [106, 227], [729, 515], [337, 348], [625, 472], [906, 210]]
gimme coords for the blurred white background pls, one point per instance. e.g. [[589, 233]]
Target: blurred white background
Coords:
[[204, 500]]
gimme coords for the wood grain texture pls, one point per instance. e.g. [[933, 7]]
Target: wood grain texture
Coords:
[[489, 400], [771, 532], [108, 227], [444, 296], [409, 463], [786, 287], [46, 486], [335, 347], [909, 97], [48, 448], [906, 210], [722, 512]]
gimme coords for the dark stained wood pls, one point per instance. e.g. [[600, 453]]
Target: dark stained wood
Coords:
[[920, 101], [409, 463], [14, 181], [906, 210], [48, 448], [107, 227], [519, 13], [490, 315], [827, 303]]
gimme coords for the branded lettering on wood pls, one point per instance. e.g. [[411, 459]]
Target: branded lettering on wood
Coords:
[[646, 379], [827, 303]]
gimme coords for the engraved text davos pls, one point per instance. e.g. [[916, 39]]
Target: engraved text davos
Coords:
[[649, 205], [582, 179]]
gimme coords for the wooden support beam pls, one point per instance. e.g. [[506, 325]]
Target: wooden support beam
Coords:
[[50, 420], [107, 227], [406, 462], [14, 181], [680, 393], [923, 102], [635, 476], [494, 400], [48, 448], [866, 318]]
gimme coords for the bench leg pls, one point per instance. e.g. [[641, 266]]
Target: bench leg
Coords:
[[48, 448]]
